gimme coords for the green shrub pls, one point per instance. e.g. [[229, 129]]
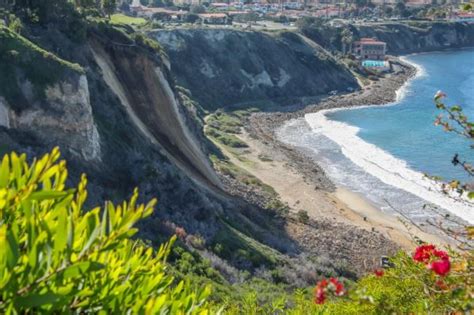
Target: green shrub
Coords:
[[225, 138], [303, 216], [57, 257], [39, 66]]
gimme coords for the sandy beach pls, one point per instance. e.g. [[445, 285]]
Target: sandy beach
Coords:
[[303, 185], [339, 205]]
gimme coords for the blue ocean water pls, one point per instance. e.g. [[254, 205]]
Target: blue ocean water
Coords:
[[406, 129], [382, 152]]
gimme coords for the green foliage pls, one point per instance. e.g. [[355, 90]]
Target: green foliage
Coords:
[[406, 288], [15, 24], [226, 139], [57, 257], [197, 9], [225, 122], [147, 43], [236, 246], [127, 20], [191, 18], [41, 67], [303, 216], [453, 119], [222, 126], [109, 6]]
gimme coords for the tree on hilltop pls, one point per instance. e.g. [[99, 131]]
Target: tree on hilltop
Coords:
[[109, 7]]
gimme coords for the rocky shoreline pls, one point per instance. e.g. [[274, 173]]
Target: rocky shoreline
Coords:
[[263, 125]]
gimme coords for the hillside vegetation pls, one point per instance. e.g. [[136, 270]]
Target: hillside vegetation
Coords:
[[56, 256], [136, 114]]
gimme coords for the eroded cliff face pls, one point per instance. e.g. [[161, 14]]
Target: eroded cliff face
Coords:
[[142, 85], [223, 67], [402, 39], [63, 117]]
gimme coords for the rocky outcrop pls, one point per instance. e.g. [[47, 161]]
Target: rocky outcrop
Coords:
[[223, 67], [63, 118], [402, 38]]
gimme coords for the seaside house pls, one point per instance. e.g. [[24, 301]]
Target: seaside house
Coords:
[[369, 49], [465, 17]]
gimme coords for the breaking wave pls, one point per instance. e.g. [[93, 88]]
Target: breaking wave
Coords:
[[384, 166]]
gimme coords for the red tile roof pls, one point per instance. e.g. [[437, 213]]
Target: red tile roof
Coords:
[[366, 40]]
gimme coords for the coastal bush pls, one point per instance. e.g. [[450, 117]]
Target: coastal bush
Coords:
[[57, 257], [430, 281], [226, 139], [225, 122], [303, 216], [453, 119]]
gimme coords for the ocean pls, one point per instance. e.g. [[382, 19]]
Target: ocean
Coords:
[[384, 152]]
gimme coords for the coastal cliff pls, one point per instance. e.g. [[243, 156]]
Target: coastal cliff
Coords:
[[223, 67], [423, 37], [112, 111], [401, 38], [46, 97], [112, 105]]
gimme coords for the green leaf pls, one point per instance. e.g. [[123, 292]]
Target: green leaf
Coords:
[[36, 300], [60, 240], [5, 171], [46, 195], [456, 108], [94, 229], [80, 268], [470, 195]]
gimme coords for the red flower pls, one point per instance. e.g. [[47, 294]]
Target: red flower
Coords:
[[441, 267], [436, 260], [337, 286], [324, 286], [320, 296], [423, 253], [379, 272], [320, 292], [441, 254]]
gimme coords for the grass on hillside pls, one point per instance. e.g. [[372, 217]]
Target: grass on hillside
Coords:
[[222, 127], [42, 68], [124, 19]]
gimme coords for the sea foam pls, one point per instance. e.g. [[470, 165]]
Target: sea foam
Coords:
[[384, 166]]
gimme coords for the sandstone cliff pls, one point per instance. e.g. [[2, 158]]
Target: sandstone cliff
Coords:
[[46, 97]]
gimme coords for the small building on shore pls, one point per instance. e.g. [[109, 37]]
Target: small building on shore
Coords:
[[464, 17], [369, 49]]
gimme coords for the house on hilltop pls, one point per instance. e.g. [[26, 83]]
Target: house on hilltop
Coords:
[[369, 49]]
